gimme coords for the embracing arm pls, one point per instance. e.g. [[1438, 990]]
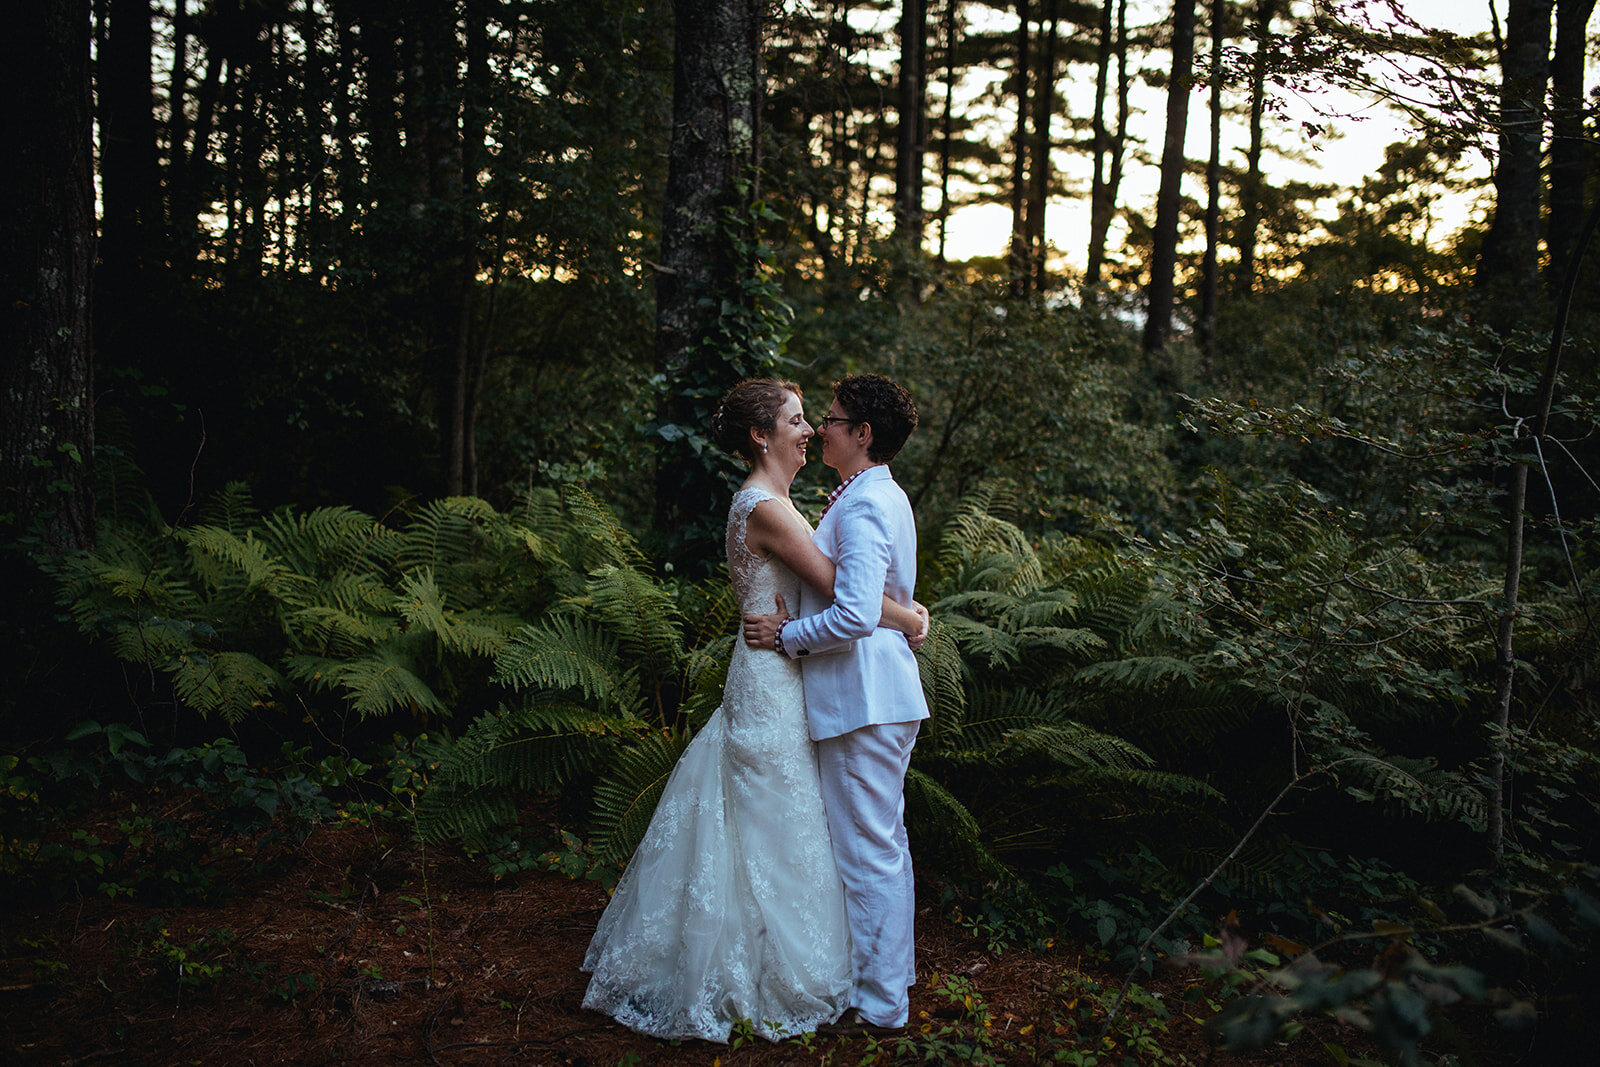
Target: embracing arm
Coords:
[[772, 530]]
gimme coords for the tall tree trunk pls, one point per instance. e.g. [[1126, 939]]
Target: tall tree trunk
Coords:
[[349, 190], [1019, 273], [1164, 250], [474, 122], [447, 264], [190, 166], [47, 253], [1250, 191], [1112, 42], [909, 141], [1505, 629], [177, 97], [311, 235], [1508, 267], [1044, 96], [947, 125], [1208, 270], [715, 108], [1570, 152], [130, 178]]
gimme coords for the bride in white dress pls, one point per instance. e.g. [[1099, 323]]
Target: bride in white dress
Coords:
[[731, 908]]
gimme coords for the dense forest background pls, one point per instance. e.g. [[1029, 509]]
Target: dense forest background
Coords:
[[359, 357]]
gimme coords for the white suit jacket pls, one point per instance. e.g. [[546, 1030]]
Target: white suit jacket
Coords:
[[856, 673]]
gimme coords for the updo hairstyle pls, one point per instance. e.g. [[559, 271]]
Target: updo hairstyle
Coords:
[[752, 404]]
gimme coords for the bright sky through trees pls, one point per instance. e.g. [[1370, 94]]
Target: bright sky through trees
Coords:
[[1354, 133]]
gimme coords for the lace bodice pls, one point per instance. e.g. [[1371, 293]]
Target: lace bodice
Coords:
[[757, 579]]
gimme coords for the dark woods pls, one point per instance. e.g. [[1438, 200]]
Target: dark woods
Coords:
[[358, 359]]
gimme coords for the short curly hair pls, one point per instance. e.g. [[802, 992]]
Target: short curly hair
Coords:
[[752, 404], [881, 404]]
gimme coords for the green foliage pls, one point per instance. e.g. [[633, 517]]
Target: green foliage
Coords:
[[149, 849]]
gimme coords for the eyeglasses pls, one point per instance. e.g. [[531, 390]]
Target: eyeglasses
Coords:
[[824, 420]]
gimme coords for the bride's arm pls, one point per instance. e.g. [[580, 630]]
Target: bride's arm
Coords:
[[771, 530]]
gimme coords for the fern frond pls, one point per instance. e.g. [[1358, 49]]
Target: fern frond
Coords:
[[626, 798], [705, 678], [232, 684], [379, 682], [639, 615], [222, 559], [1053, 642], [232, 509], [989, 604], [1110, 597], [1051, 607], [569, 654], [324, 540], [422, 606], [998, 649], [479, 777], [992, 712], [941, 671], [942, 824], [1147, 673], [354, 592], [444, 534], [708, 610], [586, 532], [332, 631], [153, 640]]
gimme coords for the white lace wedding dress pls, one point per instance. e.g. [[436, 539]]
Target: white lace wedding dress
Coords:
[[731, 907]]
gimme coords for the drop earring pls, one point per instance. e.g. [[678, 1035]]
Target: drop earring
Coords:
[[763, 448]]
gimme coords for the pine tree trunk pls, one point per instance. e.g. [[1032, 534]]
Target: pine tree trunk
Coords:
[[1164, 251], [1250, 192], [947, 123], [1208, 271], [1505, 629], [47, 254], [1570, 151], [1018, 271], [130, 179], [446, 263], [1507, 279], [715, 109], [1039, 178], [909, 142], [1111, 41]]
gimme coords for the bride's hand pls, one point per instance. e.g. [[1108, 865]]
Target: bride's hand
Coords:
[[759, 630], [915, 640]]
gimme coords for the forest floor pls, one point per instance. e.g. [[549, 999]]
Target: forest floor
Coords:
[[355, 946]]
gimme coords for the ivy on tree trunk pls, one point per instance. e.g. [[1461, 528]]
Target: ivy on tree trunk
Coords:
[[705, 288]]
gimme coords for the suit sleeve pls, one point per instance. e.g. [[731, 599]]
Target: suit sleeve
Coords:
[[861, 573]]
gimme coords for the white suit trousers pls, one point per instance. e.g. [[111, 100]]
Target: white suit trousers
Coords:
[[863, 789]]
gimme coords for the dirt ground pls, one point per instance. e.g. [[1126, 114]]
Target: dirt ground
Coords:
[[356, 947]]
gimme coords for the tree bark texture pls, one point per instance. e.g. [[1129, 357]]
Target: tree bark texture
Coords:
[[130, 179], [1044, 96], [1164, 251], [1570, 152], [715, 106], [910, 143], [1208, 270], [1108, 149], [1019, 159], [1516, 514], [1508, 267], [1250, 192], [947, 122], [47, 252]]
